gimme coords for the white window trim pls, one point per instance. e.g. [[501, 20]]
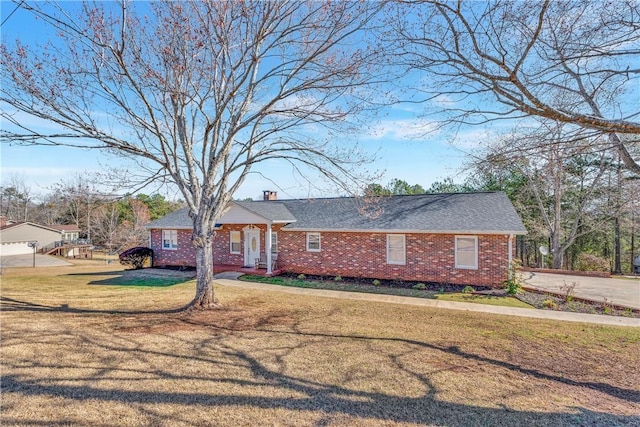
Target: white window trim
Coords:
[[319, 242], [404, 249], [170, 247], [274, 248], [231, 251], [467, 267]]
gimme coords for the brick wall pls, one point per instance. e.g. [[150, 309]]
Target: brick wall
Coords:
[[429, 257], [185, 255]]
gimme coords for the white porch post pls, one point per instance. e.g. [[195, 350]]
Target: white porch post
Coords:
[[267, 247]]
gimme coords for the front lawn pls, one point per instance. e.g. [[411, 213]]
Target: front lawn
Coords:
[[504, 301], [498, 297], [76, 353], [352, 286]]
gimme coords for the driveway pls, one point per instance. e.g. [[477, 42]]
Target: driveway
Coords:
[[27, 261], [624, 292]]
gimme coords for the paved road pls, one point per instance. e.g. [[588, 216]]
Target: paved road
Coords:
[[27, 261], [624, 292]]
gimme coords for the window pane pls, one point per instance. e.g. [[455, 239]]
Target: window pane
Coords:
[[313, 241], [395, 249], [396, 255], [234, 237], [169, 239], [467, 259], [466, 253], [274, 242], [466, 244]]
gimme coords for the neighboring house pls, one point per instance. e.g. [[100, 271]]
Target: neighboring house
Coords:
[[462, 238], [16, 237], [69, 232]]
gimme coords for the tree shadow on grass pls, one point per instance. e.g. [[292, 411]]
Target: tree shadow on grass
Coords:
[[11, 304], [331, 400], [298, 393], [138, 278]]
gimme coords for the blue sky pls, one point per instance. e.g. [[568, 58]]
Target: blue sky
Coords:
[[403, 148]]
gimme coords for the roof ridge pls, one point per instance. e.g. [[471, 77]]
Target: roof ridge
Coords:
[[382, 196]]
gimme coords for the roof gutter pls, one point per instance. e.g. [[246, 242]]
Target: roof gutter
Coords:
[[406, 231]]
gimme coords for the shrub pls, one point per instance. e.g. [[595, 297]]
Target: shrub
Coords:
[[607, 306], [567, 290], [338, 278], [549, 303], [590, 262], [136, 257], [376, 282], [301, 277], [419, 286], [513, 283], [468, 290]]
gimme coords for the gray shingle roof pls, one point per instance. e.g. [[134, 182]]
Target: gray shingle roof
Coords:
[[488, 212], [175, 219], [271, 210]]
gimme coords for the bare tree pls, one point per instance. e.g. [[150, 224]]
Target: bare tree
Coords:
[[106, 225], [571, 61], [16, 200], [198, 92], [131, 231], [564, 176], [80, 196]]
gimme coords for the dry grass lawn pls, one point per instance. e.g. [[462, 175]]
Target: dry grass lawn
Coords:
[[78, 351]]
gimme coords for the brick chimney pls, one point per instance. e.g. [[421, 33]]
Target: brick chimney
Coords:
[[269, 195]]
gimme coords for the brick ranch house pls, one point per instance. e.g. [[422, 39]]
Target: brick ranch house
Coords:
[[460, 238]]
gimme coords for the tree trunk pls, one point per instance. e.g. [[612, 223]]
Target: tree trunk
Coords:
[[205, 297], [617, 269], [557, 251]]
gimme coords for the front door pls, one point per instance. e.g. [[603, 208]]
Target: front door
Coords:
[[251, 247]]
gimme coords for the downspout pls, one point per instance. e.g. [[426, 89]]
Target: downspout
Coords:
[[267, 245], [150, 231], [510, 257]]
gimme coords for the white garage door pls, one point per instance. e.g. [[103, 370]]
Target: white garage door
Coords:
[[15, 248]]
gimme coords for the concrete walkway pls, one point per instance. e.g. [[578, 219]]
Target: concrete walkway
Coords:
[[27, 261], [623, 292], [227, 279]]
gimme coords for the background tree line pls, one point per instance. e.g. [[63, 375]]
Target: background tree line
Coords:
[[575, 198], [107, 220]]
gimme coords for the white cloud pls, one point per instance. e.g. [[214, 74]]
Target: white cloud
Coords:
[[402, 129], [38, 178], [444, 101]]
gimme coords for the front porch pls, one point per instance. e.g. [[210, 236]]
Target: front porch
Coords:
[[220, 268]]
